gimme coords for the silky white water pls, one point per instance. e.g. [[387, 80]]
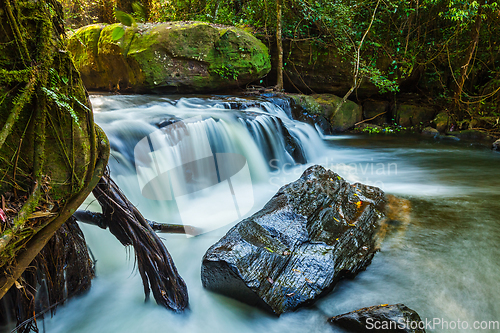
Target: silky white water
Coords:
[[443, 264]]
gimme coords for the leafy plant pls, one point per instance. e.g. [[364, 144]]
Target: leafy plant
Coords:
[[125, 19], [226, 72], [63, 101]]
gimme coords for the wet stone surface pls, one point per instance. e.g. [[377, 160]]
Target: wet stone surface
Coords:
[[397, 318], [312, 233]]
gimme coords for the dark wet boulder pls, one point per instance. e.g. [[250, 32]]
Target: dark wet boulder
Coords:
[[396, 318], [413, 110], [413, 114], [312, 233]]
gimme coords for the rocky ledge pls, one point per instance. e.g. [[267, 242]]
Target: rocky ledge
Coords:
[[312, 233]]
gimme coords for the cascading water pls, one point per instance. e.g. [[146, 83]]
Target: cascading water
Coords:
[[176, 149], [443, 263]]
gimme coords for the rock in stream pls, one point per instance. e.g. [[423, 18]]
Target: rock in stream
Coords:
[[312, 233], [397, 318]]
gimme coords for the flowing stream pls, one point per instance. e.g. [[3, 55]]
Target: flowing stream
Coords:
[[442, 262]]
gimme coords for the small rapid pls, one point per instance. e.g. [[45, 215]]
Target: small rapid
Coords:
[[443, 262]]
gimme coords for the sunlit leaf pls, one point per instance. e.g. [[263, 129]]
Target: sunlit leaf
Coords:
[[124, 18], [117, 33]]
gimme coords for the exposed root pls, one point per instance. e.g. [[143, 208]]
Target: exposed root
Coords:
[[61, 270], [154, 263]]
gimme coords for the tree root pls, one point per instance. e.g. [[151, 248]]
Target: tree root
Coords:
[[63, 269], [154, 263]]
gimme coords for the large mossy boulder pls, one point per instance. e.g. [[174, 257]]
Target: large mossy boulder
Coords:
[[325, 105], [167, 57], [311, 234], [397, 318]]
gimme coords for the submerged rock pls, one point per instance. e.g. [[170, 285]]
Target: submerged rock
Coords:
[[396, 318], [429, 131], [496, 145], [167, 57], [312, 233]]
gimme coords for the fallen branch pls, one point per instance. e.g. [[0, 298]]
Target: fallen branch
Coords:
[[98, 219], [362, 121]]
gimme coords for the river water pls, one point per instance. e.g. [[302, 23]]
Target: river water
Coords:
[[442, 260]]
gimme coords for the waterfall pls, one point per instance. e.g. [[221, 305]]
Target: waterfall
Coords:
[[196, 161]]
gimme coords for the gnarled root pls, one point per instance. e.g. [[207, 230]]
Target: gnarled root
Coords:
[[155, 264]]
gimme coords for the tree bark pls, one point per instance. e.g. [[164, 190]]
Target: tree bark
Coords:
[[279, 82]]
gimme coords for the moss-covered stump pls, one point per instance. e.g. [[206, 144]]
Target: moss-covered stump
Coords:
[[397, 318], [312, 233], [175, 57], [324, 105]]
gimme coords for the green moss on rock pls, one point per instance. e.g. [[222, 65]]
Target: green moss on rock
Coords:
[[170, 57], [83, 45], [442, 122], [325, 105]]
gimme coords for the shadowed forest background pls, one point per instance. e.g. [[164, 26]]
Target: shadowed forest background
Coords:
[[445, 52]]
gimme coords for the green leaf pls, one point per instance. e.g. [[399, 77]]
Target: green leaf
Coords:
[[124, 18], [117, 33], [139, 10]]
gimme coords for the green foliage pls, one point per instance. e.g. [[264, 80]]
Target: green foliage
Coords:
[[62, 101], [117, 33], [139, 11], [406, 38], [382, 130], [124, 18], [226, 72]]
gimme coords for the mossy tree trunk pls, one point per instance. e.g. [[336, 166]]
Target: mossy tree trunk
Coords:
[[51, 153]]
